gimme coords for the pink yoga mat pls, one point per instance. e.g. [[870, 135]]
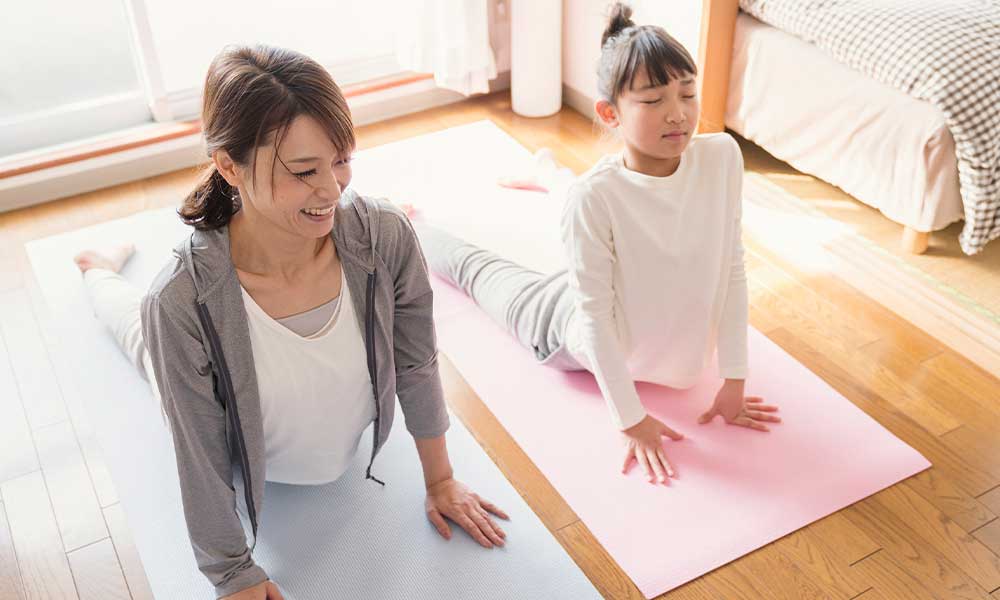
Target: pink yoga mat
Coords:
[[738, 489]]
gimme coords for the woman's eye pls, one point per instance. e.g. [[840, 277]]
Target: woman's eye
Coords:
[[308, 173]]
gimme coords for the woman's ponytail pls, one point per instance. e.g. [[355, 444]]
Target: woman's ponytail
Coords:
[[212, 202]]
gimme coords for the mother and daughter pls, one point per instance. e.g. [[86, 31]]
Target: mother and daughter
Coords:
[[298, 310]]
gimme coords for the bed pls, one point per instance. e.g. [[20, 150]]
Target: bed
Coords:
[[792, 94]]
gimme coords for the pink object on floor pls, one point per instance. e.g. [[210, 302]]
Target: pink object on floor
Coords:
[[737, 489]]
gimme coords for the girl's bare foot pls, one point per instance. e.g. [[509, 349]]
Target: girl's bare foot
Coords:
[[112, 258], [543, 166]]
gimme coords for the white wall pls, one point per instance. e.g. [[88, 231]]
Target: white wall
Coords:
[[584, 22]]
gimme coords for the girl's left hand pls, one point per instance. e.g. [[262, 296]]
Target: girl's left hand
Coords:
[[749, 411], [451, 498]]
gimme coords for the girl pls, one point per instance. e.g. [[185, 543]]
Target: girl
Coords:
[[289, 320], [652, 239]]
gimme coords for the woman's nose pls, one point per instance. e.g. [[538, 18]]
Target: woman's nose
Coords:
[[329, 188]]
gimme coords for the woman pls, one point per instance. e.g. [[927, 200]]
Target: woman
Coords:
[[289, 321]]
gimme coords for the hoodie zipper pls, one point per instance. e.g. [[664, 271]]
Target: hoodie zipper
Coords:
[[232, 414], [372, 371]]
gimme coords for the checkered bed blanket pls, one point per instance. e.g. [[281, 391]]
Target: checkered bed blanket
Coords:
[[944, 52]]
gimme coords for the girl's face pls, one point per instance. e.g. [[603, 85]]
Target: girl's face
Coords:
[[656, 122], [306, 179]]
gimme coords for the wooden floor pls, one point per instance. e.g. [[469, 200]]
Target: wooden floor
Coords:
[[977, 277], [936, 535]]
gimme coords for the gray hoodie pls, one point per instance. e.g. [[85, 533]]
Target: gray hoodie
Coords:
[[196, 330]]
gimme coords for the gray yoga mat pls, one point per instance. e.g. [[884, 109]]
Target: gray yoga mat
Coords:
[[351, 539]]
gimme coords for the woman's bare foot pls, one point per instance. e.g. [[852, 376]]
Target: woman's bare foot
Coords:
[[112, 258], [543, 166], [412, 213]]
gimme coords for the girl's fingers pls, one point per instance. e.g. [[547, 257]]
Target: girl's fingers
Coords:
[[671, 472], [670, 433], [706, 417], [754, 399], [744, 421], [640, 457], [763, 416], [654, 460], [629, 458]]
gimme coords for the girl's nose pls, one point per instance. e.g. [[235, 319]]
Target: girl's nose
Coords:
[[675, 115]]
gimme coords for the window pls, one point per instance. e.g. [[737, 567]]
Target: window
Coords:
[[73, 70], [68, 72]]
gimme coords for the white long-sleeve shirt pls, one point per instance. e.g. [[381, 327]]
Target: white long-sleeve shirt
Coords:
[[656, 264]]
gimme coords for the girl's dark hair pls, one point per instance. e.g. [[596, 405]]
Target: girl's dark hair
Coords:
[[252, 94], [626, 48]]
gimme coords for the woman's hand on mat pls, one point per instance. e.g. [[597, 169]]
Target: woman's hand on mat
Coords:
[[262, 591], [737, 409], [453, 499], [644, 445]]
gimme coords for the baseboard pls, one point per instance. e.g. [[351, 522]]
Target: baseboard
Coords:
[[579, 101], [100, 172]]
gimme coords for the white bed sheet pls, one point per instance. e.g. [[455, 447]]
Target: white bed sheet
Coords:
[[886, 149]]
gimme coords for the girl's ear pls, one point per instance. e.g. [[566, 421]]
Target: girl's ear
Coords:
[[607, 113]]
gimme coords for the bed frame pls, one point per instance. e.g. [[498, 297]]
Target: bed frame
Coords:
[[715, 51]]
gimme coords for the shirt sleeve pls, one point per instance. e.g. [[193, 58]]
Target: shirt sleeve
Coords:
[[732, 341], [418, 380], [198, 426], [590, 252]]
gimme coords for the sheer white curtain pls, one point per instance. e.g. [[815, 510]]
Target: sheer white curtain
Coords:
[[449, 38]]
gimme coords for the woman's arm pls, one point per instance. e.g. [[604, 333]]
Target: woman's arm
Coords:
[[418, 385], [198, 426], [418, 381]]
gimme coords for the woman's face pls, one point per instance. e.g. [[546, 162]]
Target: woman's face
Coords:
[[306, 179], [658, 121]]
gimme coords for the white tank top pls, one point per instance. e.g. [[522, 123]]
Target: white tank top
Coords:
[[315, 393]]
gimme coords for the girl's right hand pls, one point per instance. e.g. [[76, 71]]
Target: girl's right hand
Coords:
[[266, 590], [644, 445]]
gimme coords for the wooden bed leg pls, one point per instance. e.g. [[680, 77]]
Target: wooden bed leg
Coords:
[[715, 53], [915, 242]]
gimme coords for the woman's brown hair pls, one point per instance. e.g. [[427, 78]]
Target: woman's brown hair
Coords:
[[626, 48], [251, 94]]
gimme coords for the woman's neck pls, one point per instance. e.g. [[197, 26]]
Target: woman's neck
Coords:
[[260, 249], [649, 165]]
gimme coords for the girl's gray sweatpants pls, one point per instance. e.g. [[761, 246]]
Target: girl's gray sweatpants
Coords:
[[535, 308]]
